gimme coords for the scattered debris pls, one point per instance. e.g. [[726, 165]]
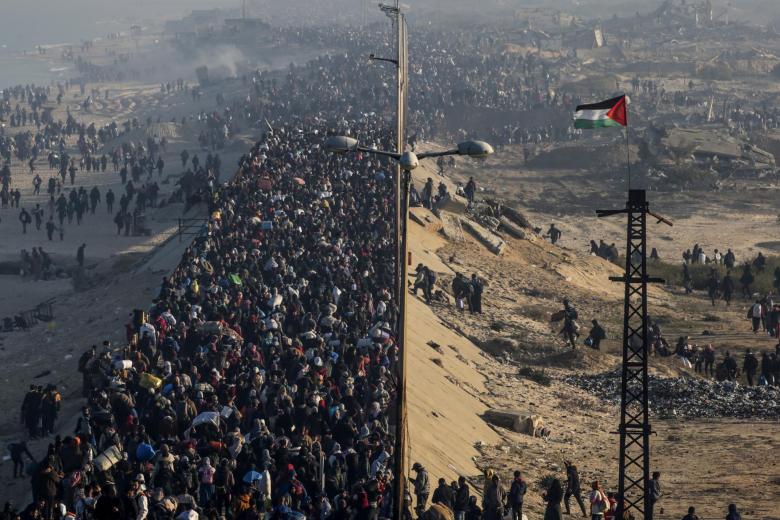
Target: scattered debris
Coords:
[[499, 346], [435, 346], [690, 397], [517, 421], [537, 376]]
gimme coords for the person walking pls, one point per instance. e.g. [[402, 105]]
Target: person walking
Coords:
[[733, 514], [206, 475], [596, 335], [552, 498], [494, 499], [110, 197], [749, 366], [31, 410], [728, 287], [422, 487], [80, 255], [746, 280], [570, 330], [49, 481], [476, 294], [756, 314], [17, 450], [517, 495], [713, 286], [462, 499], [51, 227], [427, 194], [654, 490], [554, 233], [460, 290], [599, 503], [25, 219], [470, 190], [443, 495], [573, 488]]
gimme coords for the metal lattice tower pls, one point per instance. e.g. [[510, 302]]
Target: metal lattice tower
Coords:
[[634, 429]]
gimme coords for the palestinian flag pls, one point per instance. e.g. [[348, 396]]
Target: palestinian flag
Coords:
[[612, 112]]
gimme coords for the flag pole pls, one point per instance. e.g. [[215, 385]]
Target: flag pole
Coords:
[[628, 156]]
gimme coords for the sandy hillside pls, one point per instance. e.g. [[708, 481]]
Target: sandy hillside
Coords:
[[704, 462], [740, 216]]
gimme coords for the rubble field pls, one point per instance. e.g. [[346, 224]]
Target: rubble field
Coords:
[[690, 397]]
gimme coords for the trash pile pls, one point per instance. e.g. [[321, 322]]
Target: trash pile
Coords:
[[690, 397]]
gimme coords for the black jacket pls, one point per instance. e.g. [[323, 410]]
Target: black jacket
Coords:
[[443, 495], [517, 492], [462, 498]]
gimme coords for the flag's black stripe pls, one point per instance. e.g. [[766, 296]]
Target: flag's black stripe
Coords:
[[604, 105]]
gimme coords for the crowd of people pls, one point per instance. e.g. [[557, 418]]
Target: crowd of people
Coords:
[[262, 380], [69, 147]]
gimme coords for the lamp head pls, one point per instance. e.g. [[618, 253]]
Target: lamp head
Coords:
[[340, 144], [475, 149], [409, 161]]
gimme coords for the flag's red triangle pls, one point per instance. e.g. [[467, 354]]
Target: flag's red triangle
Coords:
[[619, 113]]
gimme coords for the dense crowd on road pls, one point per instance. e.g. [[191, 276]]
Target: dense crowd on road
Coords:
[[263, 376], [262, 380]]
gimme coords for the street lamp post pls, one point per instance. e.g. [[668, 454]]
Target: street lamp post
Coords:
[[406, 161]]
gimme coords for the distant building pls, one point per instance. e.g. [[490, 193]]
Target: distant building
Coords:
[[242, 25], [577, 38], [199, 20]]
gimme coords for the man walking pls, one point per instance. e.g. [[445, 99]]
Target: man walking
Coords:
[[570, 328], [554, 233], [517, 495], [493, 501], [654, 490], [462, 499], [25, 219], [80, 255], [421, 488], [476, 294], [573, 487], [749, 366], [756, 315], [470, 190], [443, 495]]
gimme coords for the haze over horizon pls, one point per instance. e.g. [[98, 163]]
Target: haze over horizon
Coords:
[[26, 24]]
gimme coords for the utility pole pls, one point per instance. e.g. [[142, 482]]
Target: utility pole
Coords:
[[634, 429], [402, 179]]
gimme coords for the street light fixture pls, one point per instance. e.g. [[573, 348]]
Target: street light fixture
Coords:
[[341, 144], [372, 57], [406, 161]]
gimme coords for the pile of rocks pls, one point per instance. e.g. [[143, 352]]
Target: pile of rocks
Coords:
[[690, 397]]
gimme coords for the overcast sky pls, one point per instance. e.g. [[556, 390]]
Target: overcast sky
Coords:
[[25, 23]]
